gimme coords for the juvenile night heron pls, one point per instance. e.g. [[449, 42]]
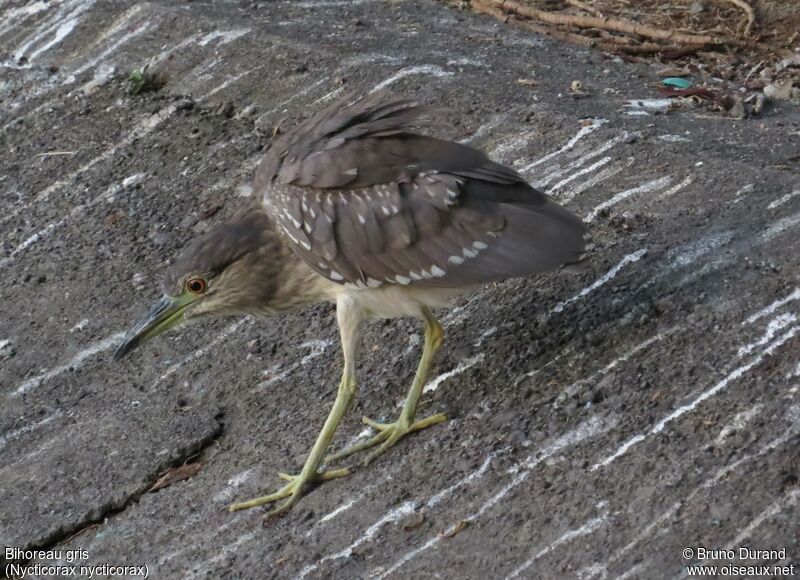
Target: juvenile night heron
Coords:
[[359, 208]]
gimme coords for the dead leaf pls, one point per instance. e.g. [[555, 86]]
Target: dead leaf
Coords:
[[176, 474], [454, 530]]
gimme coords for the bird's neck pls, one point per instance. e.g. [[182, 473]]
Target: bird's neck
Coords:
[[301, 286]]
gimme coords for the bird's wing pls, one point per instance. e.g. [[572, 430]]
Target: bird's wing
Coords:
[[366, 201]]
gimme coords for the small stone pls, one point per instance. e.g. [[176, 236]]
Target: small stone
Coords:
[[226, 110], [698, 6], [412, 521], [518, 437], [7, 349]]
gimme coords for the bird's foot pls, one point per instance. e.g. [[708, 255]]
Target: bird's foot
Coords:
[[388, 434], [292, 490]]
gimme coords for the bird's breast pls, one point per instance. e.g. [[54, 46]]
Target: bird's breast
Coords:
[[396, 301]]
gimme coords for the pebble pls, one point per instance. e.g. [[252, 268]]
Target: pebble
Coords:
[[7, 349], [412, 521]]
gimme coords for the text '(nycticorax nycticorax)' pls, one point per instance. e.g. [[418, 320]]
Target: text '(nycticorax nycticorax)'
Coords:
[[359, 208]]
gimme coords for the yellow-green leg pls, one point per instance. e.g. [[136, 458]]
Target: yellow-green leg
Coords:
[[351, 322], [389, 433]]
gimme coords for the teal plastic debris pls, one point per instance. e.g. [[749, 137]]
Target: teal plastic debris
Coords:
[[677, 82]]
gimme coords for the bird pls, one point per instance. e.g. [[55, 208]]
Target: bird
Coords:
[[360, 206]]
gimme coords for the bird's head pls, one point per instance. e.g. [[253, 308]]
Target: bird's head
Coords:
[[232, 269]]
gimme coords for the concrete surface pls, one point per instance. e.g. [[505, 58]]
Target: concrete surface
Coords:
[[600, 423]]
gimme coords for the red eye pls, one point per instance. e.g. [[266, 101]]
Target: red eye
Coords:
[[196, 285]]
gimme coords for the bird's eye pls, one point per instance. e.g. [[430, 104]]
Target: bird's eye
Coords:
[[196, 285]]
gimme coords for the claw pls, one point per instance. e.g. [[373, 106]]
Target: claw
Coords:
[[293, 490], [388, 434]]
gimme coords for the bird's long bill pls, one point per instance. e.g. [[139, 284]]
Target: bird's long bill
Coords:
[[166, 314]]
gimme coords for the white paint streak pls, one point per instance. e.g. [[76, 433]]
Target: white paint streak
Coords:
[[776, 324], [6, 438], [637, 349], [570, 168], [739, 421], [688, 180], [689, 253], [484, 335], [477, 474], [607, 173], [391, 517], [780, 505], [484, 129], [582, 132], [76, 211], [656, 524], [330, 96], [111, 48], [462, 366], [780, 201], [223, 36], [233, 483], [228, 82], [15, 16], [779, 227], [318, 348], [604, 279], [680, 411], [53, 30], [223, 552], [568, 536], [80, 325], [328, 3], [673, 138], [648, 187], [591, 428], [60, 34], [230, 329], [589, 169], [424, 69], [342, 508], [512, 144], [74, 363], [794, 295], [140, 130]]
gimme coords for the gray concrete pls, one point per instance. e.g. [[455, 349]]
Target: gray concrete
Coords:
[[600, 423]]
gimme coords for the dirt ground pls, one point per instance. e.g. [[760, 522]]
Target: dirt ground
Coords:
[[611, 424], [730, 55]]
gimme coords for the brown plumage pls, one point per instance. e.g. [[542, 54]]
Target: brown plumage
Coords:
[[366, 201]]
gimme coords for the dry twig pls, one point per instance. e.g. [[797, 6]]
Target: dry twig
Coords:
[[585, 7], [608, 45], [748, 10], [611, 24]]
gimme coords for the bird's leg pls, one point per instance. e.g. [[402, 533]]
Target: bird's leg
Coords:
[[389, 433], [351, 323]]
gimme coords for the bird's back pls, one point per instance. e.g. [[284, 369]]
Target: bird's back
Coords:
[[367, 201]]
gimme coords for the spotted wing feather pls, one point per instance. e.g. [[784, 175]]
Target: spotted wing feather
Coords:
[[365, 200]]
